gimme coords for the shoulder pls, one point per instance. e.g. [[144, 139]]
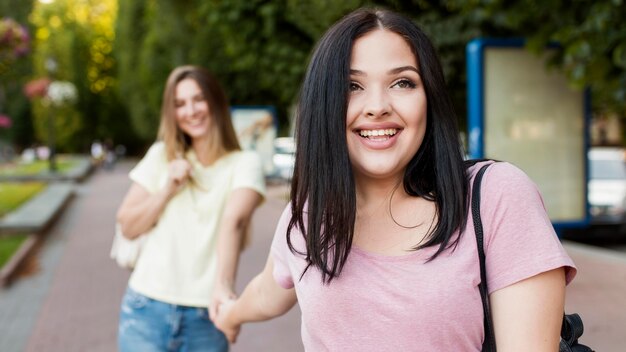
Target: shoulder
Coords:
[[502, 175], [244, 159], [246, 155], [156, 150]]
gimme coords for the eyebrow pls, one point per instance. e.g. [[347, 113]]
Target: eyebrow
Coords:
[[192, 97], [393, 71]]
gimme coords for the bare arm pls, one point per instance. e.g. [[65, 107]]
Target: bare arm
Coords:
[[527, 315], [140, 209], [262, 299], [233, 225]]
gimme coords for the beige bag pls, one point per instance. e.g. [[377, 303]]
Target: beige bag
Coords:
[[124, 251]]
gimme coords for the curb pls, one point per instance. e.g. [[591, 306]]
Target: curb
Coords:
[[9, 269], [47, 206], [59, 201]]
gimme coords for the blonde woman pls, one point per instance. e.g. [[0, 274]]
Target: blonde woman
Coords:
[[193, 194]]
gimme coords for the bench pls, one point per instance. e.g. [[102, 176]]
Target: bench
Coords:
[[39, 212]]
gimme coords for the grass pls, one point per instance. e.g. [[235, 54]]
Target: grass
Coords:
[[9, 245], [14, 194], [36, 167]]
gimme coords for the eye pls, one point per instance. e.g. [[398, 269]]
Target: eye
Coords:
[[198, 98], [178, 103], [355, 86], [404, 83]]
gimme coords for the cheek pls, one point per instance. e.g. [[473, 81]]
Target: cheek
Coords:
[[179, 114], [202, 106], [352, 113], [415, 110]]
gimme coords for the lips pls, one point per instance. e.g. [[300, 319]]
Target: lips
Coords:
[[378, 137]]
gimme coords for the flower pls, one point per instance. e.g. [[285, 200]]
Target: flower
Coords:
[[37, 88], [14, 39], [56, 92], [5, 121], [62, 92]]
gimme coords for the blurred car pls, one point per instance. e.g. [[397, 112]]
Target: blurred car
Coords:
[[607, 186], [284, 157]]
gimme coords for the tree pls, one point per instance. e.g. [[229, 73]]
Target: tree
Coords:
[[591, 35], [78, 35], [12, 101], [259, 48]]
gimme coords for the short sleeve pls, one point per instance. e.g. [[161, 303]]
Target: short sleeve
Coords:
[[520, 241], [280, 251], [151, 169], [249, 173]]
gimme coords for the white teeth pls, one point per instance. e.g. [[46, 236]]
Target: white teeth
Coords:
[[376, 133]]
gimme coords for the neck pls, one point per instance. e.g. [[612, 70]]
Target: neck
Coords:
[[206, 152], [376, 192]]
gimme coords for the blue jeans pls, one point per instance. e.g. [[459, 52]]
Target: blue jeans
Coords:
[[150, 325]]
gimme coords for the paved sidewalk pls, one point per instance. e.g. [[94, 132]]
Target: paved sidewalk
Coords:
[[71, 303], [598, 294]]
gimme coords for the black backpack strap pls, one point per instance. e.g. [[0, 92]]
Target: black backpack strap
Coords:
[[572, 327], [489, 344]]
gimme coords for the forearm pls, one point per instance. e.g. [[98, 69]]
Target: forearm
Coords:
[[234, 222], [138, 218], [262, 299], [257, 304], [230, 239]]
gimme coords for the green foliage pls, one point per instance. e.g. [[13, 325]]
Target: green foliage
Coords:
[[591, 35], [259, 48], [253, 49], [12, 101], [9, 245], [79, 35]]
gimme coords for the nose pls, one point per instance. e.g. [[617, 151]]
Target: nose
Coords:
[[377, 104], [190, 108]]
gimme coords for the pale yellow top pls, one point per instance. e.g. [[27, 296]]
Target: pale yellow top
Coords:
[[178, 262]]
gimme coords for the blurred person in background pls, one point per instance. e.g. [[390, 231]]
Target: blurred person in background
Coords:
[[193, 195]]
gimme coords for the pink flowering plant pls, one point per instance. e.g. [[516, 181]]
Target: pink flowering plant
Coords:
[[5, 121], [14, 42]]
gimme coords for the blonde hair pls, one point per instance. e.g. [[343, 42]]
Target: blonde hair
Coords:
[[223, 138]]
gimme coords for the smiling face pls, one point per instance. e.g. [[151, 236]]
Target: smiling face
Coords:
[[386, 119], [192, 109]]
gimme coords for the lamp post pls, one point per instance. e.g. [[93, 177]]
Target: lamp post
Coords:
[[51, 68]]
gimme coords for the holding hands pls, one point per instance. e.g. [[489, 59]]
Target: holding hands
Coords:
[[224, 320]]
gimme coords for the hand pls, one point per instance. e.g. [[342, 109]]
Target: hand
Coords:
[[221, 293], [178, 173], [224, 321]]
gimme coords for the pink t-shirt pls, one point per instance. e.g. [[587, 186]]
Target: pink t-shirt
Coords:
[[401, 303]]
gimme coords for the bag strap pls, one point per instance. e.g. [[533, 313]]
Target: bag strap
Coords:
[[489, 343], [572, 326]]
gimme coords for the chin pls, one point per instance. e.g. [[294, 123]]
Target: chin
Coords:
[[379, 171], [197, 132]]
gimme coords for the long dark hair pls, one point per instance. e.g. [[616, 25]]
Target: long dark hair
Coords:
[[323, 195]]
